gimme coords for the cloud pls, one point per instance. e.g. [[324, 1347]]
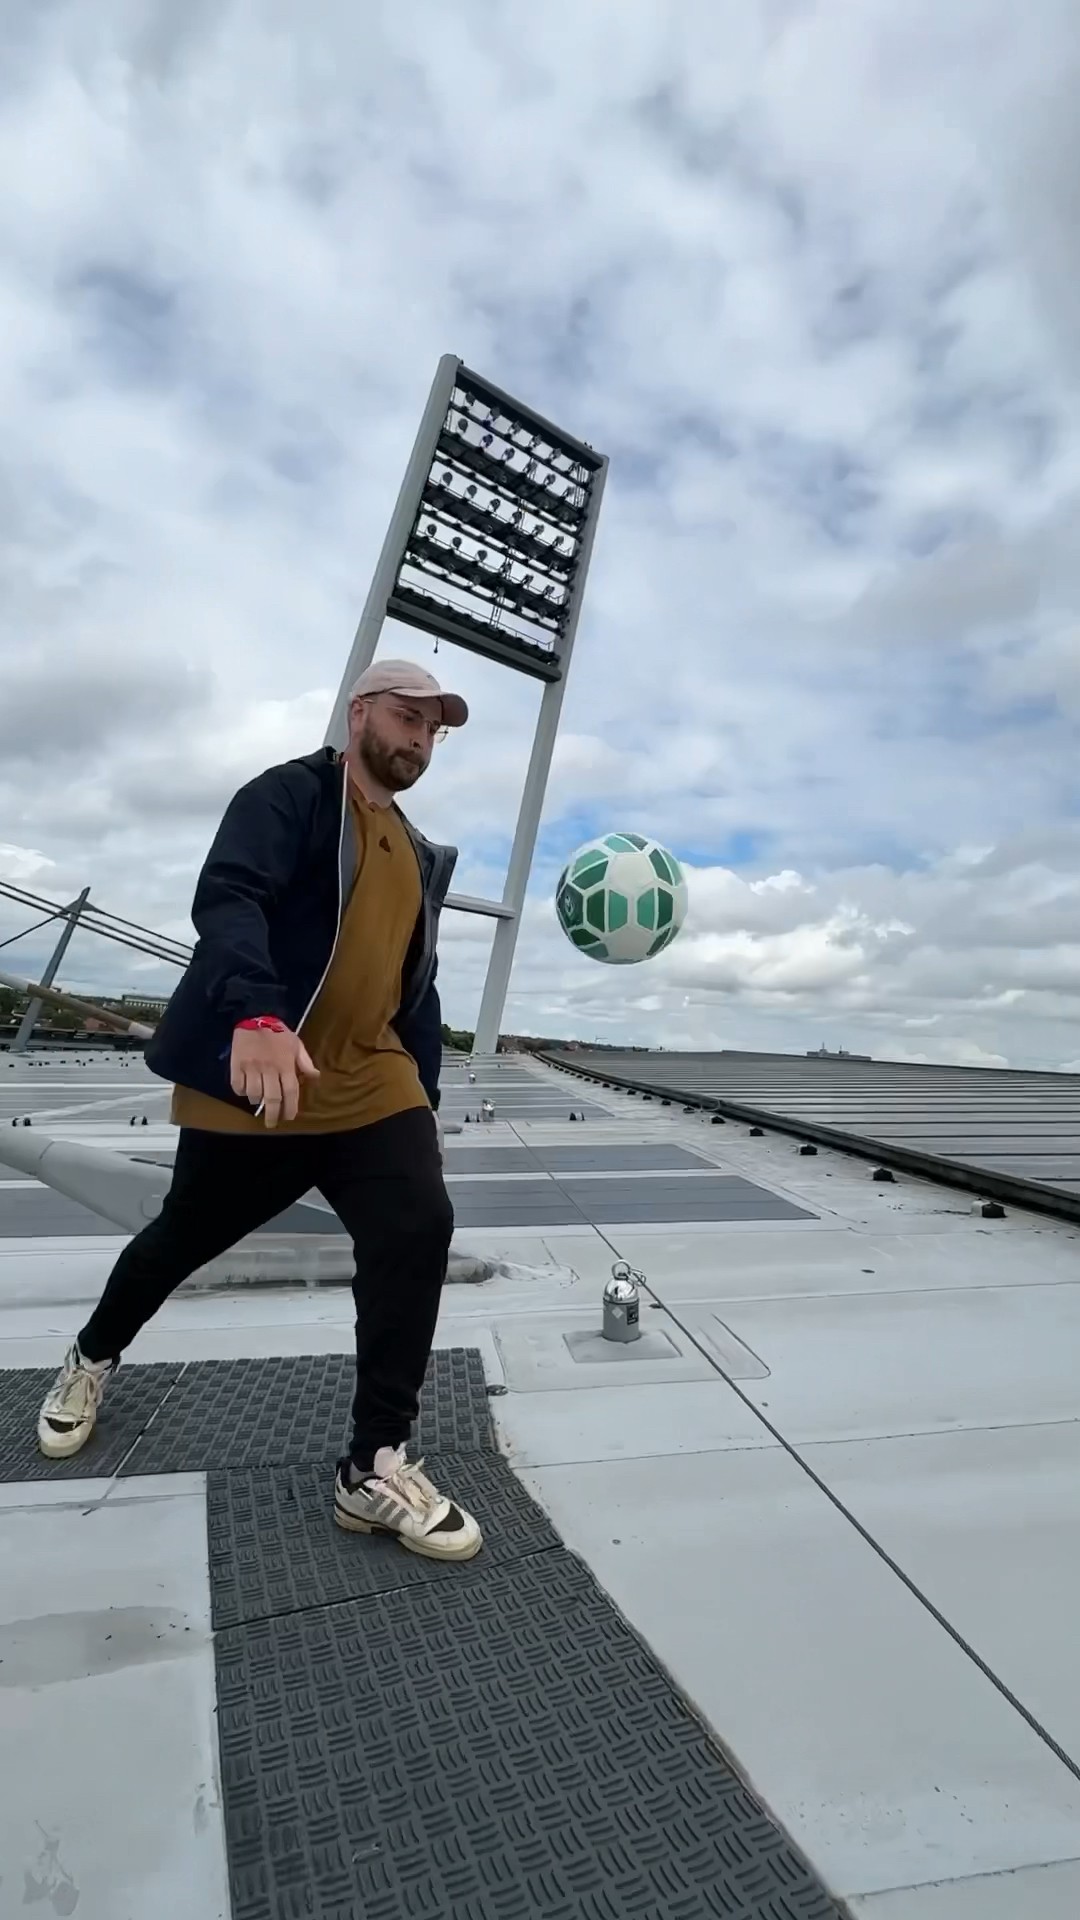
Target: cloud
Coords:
[[23, 865], [807, 273], [98, 703], [976, 960]]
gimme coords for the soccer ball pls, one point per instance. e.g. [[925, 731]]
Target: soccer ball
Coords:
[[621, 899]]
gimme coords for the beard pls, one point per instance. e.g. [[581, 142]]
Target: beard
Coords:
[[394, 768]]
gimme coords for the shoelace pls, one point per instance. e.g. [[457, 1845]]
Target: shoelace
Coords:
[[414, 1488], [77, 1393]]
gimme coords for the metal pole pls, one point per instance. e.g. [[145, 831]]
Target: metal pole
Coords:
[[397, 533], [72, 1003], [33, 1012], [497, 982]]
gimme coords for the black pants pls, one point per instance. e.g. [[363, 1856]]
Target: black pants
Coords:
[[384, 1182]]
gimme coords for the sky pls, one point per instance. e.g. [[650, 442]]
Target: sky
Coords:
[[809, 274]]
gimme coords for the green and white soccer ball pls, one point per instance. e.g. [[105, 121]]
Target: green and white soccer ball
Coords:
[[621, 898]]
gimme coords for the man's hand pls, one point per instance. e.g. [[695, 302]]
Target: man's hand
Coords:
[[267, 1068]]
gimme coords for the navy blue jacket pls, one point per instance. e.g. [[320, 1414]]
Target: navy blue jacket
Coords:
[[267, 911]]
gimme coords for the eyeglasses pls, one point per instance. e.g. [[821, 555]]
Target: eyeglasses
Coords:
[[409, 717]]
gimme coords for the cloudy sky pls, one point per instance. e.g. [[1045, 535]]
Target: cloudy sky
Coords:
[[808, 273]]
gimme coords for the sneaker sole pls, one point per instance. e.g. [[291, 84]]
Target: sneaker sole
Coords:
[[350, 1524], [63, 1447]]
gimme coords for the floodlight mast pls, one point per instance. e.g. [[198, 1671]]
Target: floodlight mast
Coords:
[[388, 564], [502, 575]]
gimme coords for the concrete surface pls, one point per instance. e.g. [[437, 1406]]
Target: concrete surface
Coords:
[[987, 1523], [1036, 1893], [110, 1804]]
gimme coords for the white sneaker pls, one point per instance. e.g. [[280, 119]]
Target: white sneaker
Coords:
[[70, 1411], [399, 1499]]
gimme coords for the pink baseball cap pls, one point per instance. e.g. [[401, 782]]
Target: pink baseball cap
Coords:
[[412, 683]]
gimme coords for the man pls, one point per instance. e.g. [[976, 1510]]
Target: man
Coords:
[[304, 1041]]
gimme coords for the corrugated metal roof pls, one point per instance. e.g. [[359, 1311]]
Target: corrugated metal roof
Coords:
[[1001, 1132]]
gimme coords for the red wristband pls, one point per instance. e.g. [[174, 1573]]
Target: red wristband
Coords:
[[267, 1021]]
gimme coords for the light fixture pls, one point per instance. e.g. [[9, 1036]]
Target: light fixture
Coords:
[[481, 595]]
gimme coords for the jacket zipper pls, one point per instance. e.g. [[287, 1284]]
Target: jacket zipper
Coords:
[[340, 910], [340, 895]]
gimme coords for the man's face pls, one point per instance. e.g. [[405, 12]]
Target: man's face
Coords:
[[394, 736]]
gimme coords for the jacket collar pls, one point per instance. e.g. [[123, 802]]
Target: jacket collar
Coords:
[[326, 762]]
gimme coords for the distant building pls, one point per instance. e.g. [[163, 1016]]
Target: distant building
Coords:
[[134, 1004], [147, 1007]]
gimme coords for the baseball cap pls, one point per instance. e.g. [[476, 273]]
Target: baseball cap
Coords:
[[412, 683]]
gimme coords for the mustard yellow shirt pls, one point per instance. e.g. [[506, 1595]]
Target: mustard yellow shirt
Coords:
[[365, 1073]]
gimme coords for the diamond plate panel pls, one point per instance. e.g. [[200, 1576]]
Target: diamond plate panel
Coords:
[[503, 1751], [660, 1156], [646, 1156], [479, 1159], [710, 1197], [130, 1403], [291, 1410], [510, 1109], [513, 1203], [274, 1547]]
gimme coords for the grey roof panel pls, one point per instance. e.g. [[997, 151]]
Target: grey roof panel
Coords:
[[990, 1129]]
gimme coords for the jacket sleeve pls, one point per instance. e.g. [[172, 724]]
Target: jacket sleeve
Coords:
[[420, 1033], [254, 855]]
